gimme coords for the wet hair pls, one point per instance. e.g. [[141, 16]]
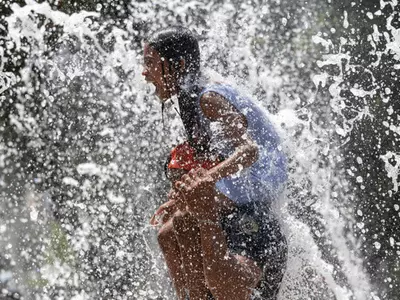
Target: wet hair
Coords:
[[174, 44], [177, 43]]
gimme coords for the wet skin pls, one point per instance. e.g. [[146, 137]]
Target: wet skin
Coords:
[[190, 237], [156, 70]]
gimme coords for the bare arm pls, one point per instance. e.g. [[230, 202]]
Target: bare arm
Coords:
[[234, 126]]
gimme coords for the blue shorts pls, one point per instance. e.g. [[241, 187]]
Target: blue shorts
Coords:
[[253, 231]]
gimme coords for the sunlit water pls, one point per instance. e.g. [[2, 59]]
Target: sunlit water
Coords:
[[97, 141]]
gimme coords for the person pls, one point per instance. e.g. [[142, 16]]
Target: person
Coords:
[[181, 160], [220, 238]]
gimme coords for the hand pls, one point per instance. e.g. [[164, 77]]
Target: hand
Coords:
[[197, 190], [164, 213], [196, 182], [167, 210]]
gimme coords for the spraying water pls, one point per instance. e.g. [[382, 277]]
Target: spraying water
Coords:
[[82, 162]]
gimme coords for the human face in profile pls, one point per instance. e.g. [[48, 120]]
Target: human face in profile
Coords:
[[156, 70]]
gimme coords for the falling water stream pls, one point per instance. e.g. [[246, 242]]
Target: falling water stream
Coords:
[[76, 199]]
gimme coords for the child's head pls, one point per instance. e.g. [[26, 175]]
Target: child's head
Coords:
[[183, 159]]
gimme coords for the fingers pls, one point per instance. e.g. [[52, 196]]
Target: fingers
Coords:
[[191, 180], [153, 220], [201, 172], [163, 212], [188, 179], [192, 173], [168, 213], [196, 173], [181, 186], [157, 219], [165, 206], [165, 217]]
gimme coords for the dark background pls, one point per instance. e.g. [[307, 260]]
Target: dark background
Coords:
[[370, 138]]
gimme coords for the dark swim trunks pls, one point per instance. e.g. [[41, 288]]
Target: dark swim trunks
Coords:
[[253, 231]]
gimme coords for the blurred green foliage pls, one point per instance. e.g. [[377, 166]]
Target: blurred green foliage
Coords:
[[59, 248]]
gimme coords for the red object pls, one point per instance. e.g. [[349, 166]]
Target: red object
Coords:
[[183, 157]]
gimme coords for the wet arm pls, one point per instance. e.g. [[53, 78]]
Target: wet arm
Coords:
[[234, 127]]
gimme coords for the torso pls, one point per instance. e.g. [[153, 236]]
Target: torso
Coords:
[[268, 173]]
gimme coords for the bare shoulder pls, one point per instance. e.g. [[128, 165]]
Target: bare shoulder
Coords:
[[233, 123], [215, 106]]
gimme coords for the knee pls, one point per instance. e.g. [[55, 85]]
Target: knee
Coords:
[[182, 222], [180, 225]]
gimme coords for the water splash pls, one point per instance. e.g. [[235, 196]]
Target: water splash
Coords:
[[81, 107]]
